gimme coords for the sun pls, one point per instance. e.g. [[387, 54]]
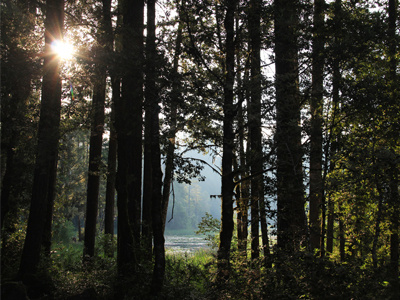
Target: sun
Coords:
[[64, 50]]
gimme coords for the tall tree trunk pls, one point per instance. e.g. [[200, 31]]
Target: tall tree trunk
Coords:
[[6, 185], [329, 227], [150, 100], [111, 173], [113, 143], [47, 230], [129, 130], [254, 121], [243, 192], [48, 136], [96, 143], [378, 220], [291, 218], [147, 232], [156, 173], [227, 150], [316, 183], [175, 99], [334, 135], [255, 135], [242, 189], [342, 239]]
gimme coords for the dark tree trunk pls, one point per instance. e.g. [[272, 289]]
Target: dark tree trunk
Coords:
[[111, 172], [242, 191], [342, 239], [96, 143], [47, 148], [334, 135], [228, 146], [378, 218], [129, 131], [255, 135], [316, 182], [329, 231], [155, 158], [175, 99], [291, 218], [8, 178], [47, 230], [147, 232], [113, 143], [150, 105]]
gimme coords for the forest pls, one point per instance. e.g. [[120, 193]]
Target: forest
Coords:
[[269, 127]]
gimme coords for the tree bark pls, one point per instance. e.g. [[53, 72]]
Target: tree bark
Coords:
[[111, 172], [316, 107], [254, 121], [113, 143], [242, 191], [227, 156], [342, 239], [175, 99], [96, 143], [329, 227], [48, 137], [156, 173], [147, 232], [291, 218], [150, 103], [129, 130], [334, 135]]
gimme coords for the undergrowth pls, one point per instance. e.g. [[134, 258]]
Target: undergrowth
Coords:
[[192, 276]]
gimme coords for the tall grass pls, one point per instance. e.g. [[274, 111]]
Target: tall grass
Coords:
[[188, 275]]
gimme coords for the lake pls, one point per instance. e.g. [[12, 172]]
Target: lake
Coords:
[[185, 243]]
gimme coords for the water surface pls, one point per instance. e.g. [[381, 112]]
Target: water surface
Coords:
[[185, 243]]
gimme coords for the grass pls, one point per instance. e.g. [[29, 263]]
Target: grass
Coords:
[[191, 275], [188, 276]]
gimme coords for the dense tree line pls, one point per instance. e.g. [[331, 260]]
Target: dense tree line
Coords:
[[309, 158]]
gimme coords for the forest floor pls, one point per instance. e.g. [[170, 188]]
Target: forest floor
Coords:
[[192, 276]]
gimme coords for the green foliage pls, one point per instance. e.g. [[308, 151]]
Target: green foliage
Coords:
[[11, 249], [209, 226], [188, 275], [303, 276], [63, 232], [72, 277], [190, 204], [108, 243]]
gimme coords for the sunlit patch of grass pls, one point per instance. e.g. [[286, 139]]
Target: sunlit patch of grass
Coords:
[[188, 274]]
